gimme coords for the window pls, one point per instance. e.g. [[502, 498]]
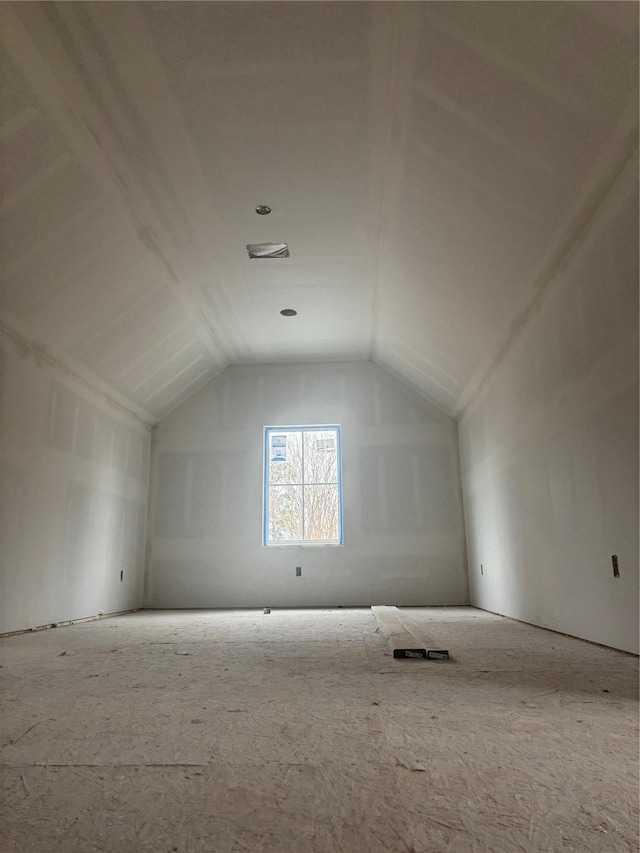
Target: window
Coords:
[[302, 486]]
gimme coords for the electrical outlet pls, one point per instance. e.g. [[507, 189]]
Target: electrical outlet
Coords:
[[298, 571], [614, 563]]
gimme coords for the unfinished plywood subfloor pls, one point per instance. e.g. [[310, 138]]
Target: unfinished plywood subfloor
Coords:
[[296, 731]]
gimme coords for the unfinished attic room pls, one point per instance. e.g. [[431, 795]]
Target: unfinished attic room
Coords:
[[319, 427]]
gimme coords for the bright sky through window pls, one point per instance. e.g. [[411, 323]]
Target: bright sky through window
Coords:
[[302, 486]]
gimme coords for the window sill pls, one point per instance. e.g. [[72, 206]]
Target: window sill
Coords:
[[303, 545]]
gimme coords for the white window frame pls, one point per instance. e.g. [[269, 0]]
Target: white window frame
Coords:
[[268, 430]]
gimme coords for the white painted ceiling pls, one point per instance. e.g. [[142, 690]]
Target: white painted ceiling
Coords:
[[429, 165]]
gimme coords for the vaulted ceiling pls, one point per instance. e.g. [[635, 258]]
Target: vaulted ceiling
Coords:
[[429, 164]]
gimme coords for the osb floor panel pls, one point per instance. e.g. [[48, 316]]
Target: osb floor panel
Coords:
[[296, 731]]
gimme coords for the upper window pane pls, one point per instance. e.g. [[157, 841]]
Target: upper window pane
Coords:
[[285, 457], [320, 457]]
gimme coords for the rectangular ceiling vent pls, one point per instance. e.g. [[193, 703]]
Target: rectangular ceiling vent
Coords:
[[268, 250]]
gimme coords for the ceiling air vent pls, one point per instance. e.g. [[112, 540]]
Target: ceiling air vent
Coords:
[[268, 250]]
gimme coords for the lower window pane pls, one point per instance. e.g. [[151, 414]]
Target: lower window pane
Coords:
[[285, 513], [321, 514]]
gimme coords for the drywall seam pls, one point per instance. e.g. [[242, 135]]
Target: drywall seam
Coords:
[[150, 515], [389, 368], [146, 555], [50, 625], [69, 117], [193, 389], [399, 66], [137, 61], [555, 279], [465, 534], [577, 232], [583, 400], [85, 378]]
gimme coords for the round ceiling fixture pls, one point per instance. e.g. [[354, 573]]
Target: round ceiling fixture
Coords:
[[288, 312], [263, 210]]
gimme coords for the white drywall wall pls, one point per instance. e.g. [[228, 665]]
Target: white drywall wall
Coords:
[[550, 449], [403, 528], [74, 497]]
